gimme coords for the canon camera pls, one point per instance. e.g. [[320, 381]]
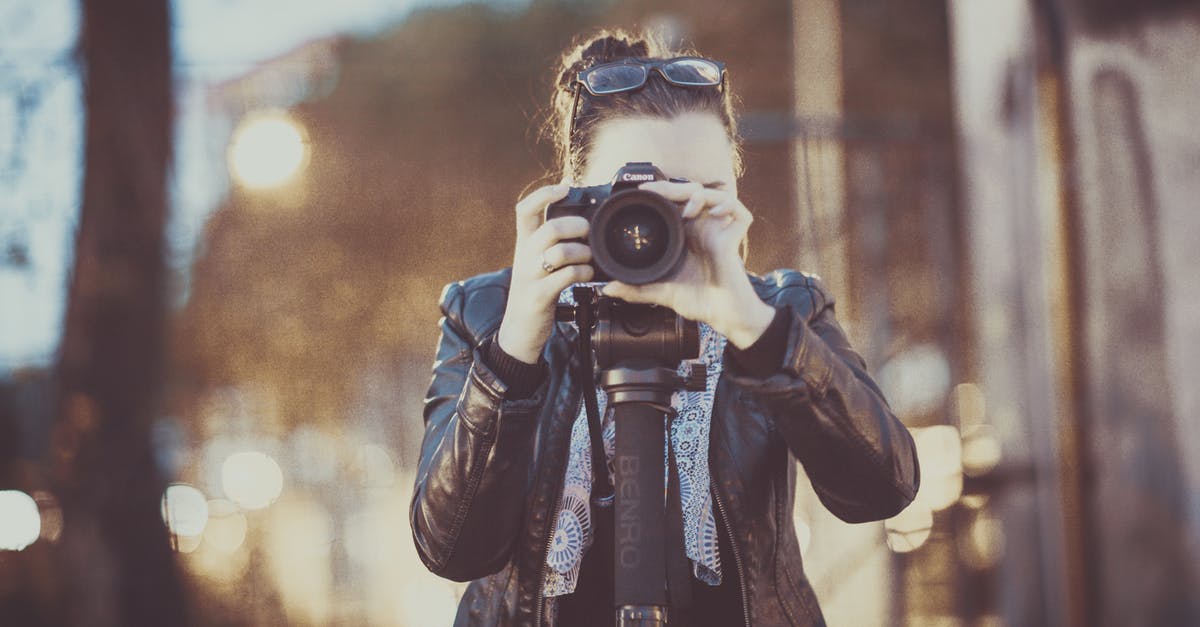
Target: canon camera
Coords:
[[636, 236]]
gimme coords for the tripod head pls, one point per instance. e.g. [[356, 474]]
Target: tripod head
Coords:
[[632, 335]]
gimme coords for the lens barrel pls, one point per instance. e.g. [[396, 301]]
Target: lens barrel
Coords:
[[637, 237]]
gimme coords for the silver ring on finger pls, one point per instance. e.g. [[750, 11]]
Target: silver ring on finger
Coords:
[[546, 264]]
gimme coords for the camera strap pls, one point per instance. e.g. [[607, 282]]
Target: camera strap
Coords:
[[602, 489]]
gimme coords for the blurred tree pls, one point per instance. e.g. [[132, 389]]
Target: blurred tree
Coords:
[[117, 565]]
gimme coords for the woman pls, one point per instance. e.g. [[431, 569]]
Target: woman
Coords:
[[501, 495]]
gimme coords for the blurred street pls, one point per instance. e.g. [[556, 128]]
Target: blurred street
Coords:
[[224, 228]]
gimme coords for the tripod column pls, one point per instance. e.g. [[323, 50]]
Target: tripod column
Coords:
[[639, 399]]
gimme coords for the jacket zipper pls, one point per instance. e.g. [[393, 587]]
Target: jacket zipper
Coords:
[[737, 555], [537, 616]]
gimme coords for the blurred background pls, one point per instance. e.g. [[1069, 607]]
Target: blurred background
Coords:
[[224, 226]]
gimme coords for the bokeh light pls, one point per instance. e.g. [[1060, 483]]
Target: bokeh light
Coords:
[[268, 149], [369, 540], [939, 450], [427, 602], [974, 501], [374, 467], [980, 451], [909, 529], [299, 538], [226, 529], [983, 543], [187, 544], [184, 509], [52, 516], [213, 559], [969, 404], [314, 455], [20, 522], [916, 381], [803, 534], [251, 479]]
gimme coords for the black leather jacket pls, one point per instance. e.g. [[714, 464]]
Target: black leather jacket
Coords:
[[491, 469]]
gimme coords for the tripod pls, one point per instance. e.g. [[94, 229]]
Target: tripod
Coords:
[[638, 349]]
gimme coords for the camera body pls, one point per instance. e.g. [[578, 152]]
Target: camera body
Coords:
[[636, 236]]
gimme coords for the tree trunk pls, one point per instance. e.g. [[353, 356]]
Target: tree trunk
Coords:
[[115, 556]]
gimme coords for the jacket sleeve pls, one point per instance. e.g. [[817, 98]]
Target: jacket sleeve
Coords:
[[470, 487], [860, 458]]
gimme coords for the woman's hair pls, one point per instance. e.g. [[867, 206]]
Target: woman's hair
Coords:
[[657, 98]]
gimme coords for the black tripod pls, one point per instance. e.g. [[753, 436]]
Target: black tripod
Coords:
[[638, 349]]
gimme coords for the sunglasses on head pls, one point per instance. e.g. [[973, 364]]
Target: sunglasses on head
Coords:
[[631, 74]]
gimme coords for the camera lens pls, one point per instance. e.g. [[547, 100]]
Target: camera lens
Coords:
[[637, 237]]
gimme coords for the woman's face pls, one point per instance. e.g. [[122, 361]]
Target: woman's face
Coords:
[[692, 145]]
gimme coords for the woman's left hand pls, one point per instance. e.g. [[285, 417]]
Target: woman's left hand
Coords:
[[712, 285]]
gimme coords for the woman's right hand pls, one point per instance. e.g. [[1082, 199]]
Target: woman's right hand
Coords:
[[533, 293]]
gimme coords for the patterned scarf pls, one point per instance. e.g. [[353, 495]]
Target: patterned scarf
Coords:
[[689, 438]]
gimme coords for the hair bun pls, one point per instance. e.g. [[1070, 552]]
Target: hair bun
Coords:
[[612, 48], [603, 48]]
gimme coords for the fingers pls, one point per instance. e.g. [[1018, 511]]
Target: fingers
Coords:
[[624, 291], [678, 192], [567, 253], [724, 208], [556, 230], [650, 294], [558, 280], [734, 211], [530, 208], [547, 264], [696, 198], [702, 198], [568, 263]]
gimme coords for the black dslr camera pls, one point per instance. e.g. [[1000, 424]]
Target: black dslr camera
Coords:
[[636, 236]]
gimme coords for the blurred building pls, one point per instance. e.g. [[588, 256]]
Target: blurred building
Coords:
[[1055, 287], [1072, 126], [1009, 180]]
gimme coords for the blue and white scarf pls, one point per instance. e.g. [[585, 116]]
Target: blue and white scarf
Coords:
[[689, 438]]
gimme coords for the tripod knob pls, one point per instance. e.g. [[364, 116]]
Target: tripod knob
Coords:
[[697, 378], [689, 338]]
